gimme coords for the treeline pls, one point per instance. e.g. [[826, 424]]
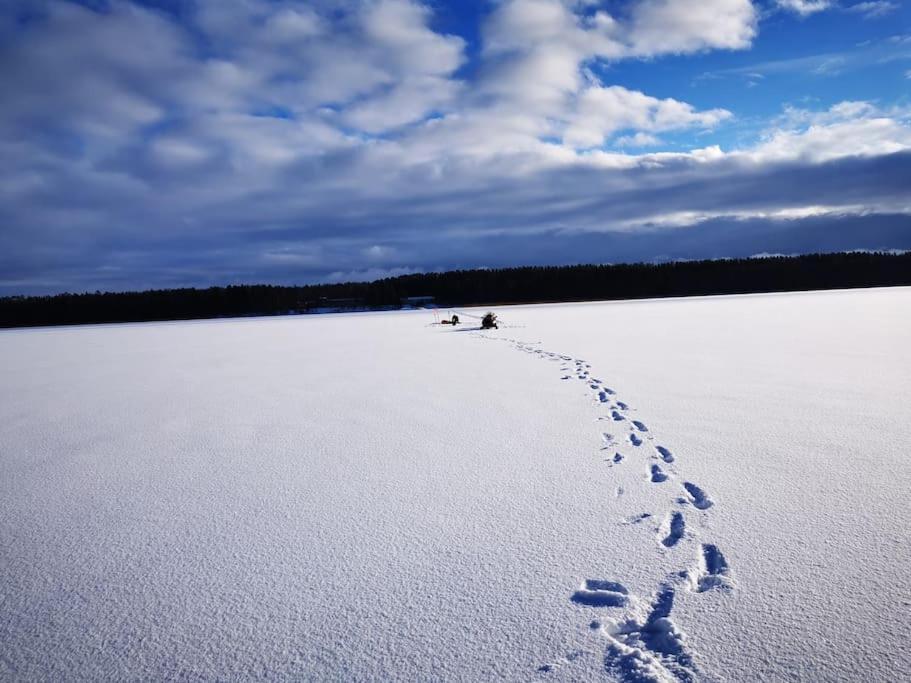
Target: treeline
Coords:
[[466, 287]]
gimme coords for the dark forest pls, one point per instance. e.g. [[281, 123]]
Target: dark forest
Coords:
[[472, 287]]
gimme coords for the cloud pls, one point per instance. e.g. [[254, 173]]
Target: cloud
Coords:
[[866, 55], [638, 140], [804, 7], [846, 129], [874, 9], [660, 26], [601, 111], [869, 10], [300, 141]]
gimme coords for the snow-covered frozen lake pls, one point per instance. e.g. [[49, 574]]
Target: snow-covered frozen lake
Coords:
[[697, 489]]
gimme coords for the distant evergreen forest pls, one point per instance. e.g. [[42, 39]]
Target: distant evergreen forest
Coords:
[[472, 287]]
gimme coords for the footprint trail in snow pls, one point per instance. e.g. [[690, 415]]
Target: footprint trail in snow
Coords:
[[643, 642]]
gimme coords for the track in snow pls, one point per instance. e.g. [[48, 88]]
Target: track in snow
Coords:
[[649, 648]]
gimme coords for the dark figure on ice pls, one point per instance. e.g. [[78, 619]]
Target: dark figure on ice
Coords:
[[489, 321], [455, 320]]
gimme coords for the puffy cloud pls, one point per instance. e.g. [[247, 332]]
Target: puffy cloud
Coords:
[[602, 111], [660, 26], [846, 129]]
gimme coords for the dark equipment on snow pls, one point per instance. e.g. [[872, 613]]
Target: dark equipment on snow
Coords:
[[489, 321], [455, 320]]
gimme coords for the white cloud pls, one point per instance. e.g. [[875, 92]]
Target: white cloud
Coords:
[[534, 75], [804, 7], [602, 111], [846, 129], [640, 139], [662, 26], [874, 9]]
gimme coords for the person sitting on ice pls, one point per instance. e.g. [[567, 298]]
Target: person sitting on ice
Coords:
[[489, 321]]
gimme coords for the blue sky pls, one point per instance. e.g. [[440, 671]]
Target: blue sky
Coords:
[[197, 142]]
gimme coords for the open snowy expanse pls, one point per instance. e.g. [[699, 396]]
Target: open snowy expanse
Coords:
[[712, 489]]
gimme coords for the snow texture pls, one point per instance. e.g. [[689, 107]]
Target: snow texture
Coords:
[[679, 490]]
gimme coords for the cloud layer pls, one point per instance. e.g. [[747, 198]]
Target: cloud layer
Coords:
[[301, 141]]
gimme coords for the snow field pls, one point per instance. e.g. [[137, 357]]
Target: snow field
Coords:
[[701, 489]]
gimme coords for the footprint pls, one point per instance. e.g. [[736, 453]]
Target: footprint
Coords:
[[658, 475], [617, 416], [665, 454], [602, 396], [609, 391], [599, 593], [714, 570], [651, 651], [641, 427], [635, 440], [699, 498], [618, 457], [622, 406], [675, 530]]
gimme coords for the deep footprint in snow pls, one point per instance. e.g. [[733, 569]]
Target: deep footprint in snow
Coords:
[[622, 406], [665, 454], [714, 571], [599, 593], [676, 527], [617, 416], [635, 440], [653, 651], [638, 425], [658, 475], [602, 396], [698, 497]]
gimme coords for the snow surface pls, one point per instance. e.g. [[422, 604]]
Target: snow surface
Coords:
[[371, 497]]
